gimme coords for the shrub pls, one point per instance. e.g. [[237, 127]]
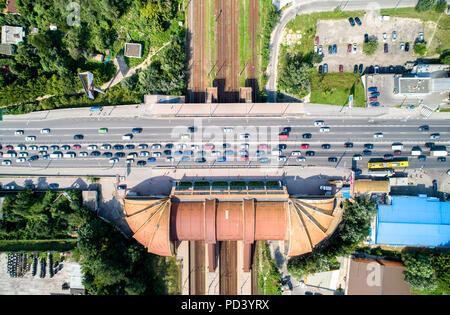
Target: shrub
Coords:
[[420, 49], [441, 6], [425, 5], [370, 47]]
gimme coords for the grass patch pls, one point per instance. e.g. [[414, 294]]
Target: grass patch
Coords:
[[444, 110], [269, 277], [441, 39], [335, 88], [37, 245], [171, 271], [244, 38], [212, 38]]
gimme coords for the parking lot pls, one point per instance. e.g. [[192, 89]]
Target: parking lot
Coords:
[[341, 33]]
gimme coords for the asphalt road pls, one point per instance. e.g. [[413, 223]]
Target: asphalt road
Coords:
[[262, 131]]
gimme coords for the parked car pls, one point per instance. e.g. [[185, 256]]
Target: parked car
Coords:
[[366, 38], [341, 68], [352, 21], [402, 46], [386, 48], [53, 186], [349, 48], [316, 40], [442, 159], [334, 49], [422, 158], [325, 68], [355, 69], [320, 69], [358, 21], [407, 46], [374, 104], [375, 94], [372, 89], [361, 68], [384, 37], [141, 163], [263, 160], [394, 36], [355, 47], [373, 99], [357, 157], [330, 49]]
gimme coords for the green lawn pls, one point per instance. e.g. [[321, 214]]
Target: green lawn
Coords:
[[441, 40], [269, 275], [244, 38], [335, 88]]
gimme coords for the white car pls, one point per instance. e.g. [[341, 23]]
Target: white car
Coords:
[[319, 123], [132, 155], [194, 147], [114, 160], [45, 130], [43, 148], [320, 50], [325, 129], [378, 135], [245, 146], [402, 46], [394, 36], [156, 154], [216, 153], [21, 160], [10, 154], [181, 146], [156, 146], [301, 159], [18, 132], [296, 153], [84, 154], [23, 154], [130, 161], [384, 37], [92, 147], [169, 159], [6, 162], [30, 138], [276, 152], [357, 157], [355, 46], [21, 147], [33, 148], [144, 153], [228, 130], [315, 49], [282, 158], [127, 137], [421, 36]]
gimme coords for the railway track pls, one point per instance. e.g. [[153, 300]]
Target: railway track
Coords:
[[197, 267], [228, 268]]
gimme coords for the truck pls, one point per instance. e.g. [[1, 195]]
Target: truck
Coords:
[[439, 150], [397, 146], [416, 151]]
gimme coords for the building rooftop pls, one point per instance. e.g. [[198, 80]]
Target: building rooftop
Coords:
[[11, 7], [12, 34], [133, 50], [376, 277], [414, 85], [363, 186], [7, 49], [413, 221]]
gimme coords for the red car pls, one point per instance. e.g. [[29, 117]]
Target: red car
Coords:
[[316, 40], [341, 68], [9, 147], [305, 146], [244, 158], [262, 146], [349, 48], [76, 147], [397, 152], [373, 99]]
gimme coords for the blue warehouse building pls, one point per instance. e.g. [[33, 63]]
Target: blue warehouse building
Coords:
[[413, 221]]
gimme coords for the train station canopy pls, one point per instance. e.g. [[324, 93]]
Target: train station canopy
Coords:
[[413, 221]]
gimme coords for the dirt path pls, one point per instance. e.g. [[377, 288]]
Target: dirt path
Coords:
[[227, 37]]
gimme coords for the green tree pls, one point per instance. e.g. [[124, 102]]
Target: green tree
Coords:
[[441, 6], [425, 5], [418, 271], [441, 267], [294, 75], [445, 57], [370, 47], [420, 49]]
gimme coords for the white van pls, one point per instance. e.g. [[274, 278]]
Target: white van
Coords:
[[127, 137], [276, 152]]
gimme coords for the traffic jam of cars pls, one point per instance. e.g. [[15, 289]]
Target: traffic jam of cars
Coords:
[[141, 154]]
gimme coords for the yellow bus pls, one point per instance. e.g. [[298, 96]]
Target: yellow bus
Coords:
[[386, 164]]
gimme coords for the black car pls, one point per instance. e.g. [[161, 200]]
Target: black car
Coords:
[[141, 163], [320, 69], [368, 146], [358, 21], [424, 128], [355, 69], [78, 137], [310, 153], [169, 146], [352, 22], [107, 154], [442, 159], [33, 158], [422, 158], [192, 129], [367, 152], [326, 146], [282, 146], [366, 38], [119, 155], [200, 160], [136, 130], [118, 147], [349, 144], [53, 186], [386, 48], [95, 153], [407, 47], [361, 68], [168, 152], [325, 68], [388, 157], [226, 145], [391, 69], [429, 145], [307, 136], [332, 159], [130, 147]]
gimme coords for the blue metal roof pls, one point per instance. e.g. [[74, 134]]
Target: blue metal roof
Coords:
[[413, 221]]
